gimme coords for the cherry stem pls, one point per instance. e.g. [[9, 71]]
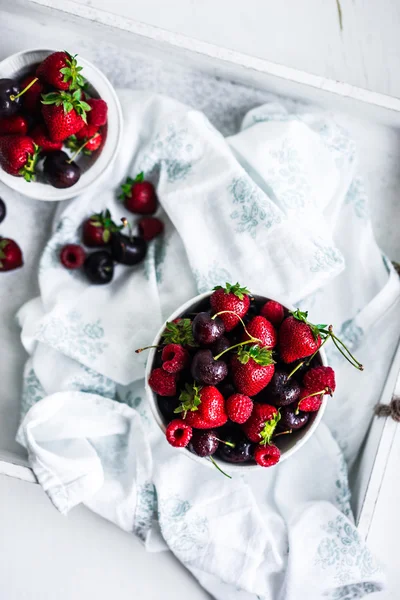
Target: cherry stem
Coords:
[[13, 97], [326, 390], [73, 157], [236, 346], [219, 468], [308, 361], [347, 354], [126, 223], [252, 339], [145, 348], [230, 444], [283, 433]]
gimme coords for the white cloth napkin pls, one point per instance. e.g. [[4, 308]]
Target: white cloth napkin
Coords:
[[280, 208]]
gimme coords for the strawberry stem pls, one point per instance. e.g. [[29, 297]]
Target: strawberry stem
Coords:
[[219, 468], [73, 157], [13, 97]]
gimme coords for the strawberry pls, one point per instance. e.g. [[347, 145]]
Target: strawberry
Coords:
[[267, 456], [233, 299], [64, 114], [14, 124], [41, 138], [273, 311], [162, 383], [179, 331], [239, 408], [32, 90], [263, 330], [61, 71], [174, 357], [310, 401], [298, 338], [262, 423], [10, 255], [150, 227], [202, 407], [139, 196], [319, 378], [98, 228], [178, 433], [87, 131], [87, 145], [19, 155], [98, 114], [252, 369]]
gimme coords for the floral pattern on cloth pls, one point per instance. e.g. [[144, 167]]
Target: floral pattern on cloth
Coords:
[[92, 382], [252, 208], [155, 258], [32, 391], [353, 592], [343, 553], [146, 509], [73, 337], [214, 276], [325, 257], [357, 198]]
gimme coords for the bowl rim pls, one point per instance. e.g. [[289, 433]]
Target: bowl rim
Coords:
[[103, 167], [152, 399]]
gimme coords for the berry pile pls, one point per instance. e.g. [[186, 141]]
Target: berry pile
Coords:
[[49, 108], [237, 372], [100, 231], [10, 253]]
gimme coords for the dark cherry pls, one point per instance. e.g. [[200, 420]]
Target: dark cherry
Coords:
[[206, 370], [280, 391], [3, 210], [167, 405], [128, 250], [242, 452], [278, 382], [59, 172], [220, 345], [289, 419], [99, 267], [207, 330], [204, 443], [8, 107]]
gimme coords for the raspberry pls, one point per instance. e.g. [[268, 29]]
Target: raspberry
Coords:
[[318, 378], [150, 227], [267, 456], [239, 408], [97, 116], [273, 311], [162, 383], [178, 433], [309, 403], [72, 256], [174, 357], [87, 131], [262, 422]]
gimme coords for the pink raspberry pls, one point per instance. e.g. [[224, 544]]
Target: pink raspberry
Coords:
[[239, 408], [174, 357], [319, 378], [162, 383], [178, 433]]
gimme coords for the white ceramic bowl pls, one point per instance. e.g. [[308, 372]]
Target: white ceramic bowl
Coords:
[[93, 169], [289, 444]]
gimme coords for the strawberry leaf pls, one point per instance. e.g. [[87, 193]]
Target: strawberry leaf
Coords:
[[179, 333], [189, 398], [139, 178], [262, 356], [269, 428], [302, 317], [236, 289]]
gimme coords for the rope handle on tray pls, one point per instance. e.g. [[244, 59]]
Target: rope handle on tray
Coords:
[[389, 410]]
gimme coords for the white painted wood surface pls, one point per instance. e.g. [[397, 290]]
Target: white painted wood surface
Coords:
[[304, 35]]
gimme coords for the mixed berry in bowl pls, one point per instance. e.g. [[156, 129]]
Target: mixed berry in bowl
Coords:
[[238, 378]]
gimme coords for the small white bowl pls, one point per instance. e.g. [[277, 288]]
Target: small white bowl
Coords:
[[21, 64], [288, 445]]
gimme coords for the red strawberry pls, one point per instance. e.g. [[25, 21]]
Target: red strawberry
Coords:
[[319, 378], [93, 143], [10, 255], [174, 357], [139, 196], [202, 407], [98, 115], [19, 155], [273, 311], [178, 433], [233, 298], [64, 114], [162, 383], [252, 369], [72, 256], [41, 138], [309, 402], [267, 456], [32, 94], [87, 145], [98, 228], [239, 407], [262, 423], [298, 338], [150, 227], [87, 131], [14, 124], [261, 329], [61, 71]]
